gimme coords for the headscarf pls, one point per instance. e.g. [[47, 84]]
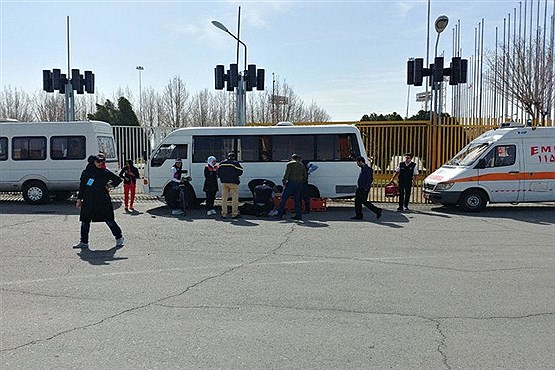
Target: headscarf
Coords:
[[211, 161]]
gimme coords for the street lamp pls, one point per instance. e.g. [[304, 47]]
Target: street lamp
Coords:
[[140, 69], [440, 25], [241, 91]]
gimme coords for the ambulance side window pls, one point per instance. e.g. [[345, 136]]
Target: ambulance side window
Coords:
[[501, 156]]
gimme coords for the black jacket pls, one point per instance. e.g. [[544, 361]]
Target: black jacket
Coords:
[[210, 179], [127, 177], [97, 204], [229, 172]]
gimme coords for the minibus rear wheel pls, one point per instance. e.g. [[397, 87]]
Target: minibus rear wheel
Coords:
[[473, 200], [35, 192]]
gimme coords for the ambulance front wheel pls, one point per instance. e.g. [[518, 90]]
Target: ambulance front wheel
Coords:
[[473, 200]]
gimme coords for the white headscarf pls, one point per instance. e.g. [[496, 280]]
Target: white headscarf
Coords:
[[211, 161]]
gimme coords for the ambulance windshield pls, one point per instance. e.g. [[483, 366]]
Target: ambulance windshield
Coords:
[[468, 154]]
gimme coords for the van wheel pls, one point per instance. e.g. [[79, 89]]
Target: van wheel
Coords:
[[35, 192], [313, 191], [473, 201]]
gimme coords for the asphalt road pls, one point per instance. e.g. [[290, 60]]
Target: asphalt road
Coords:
[[433, 288]]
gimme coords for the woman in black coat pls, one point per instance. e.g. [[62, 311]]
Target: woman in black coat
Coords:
[[94, 200]]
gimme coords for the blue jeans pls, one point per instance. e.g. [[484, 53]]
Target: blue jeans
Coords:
[[86, 227], [293, 188]]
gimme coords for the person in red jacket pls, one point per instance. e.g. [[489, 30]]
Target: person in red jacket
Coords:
[[129, 174]]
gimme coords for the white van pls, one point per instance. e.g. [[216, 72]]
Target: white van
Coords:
[[505, 165], [43, 159]]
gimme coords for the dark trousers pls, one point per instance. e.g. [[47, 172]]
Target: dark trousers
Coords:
[[404, 194], [86, 227], [306, 198], [361, 197], [210, 197], [295, 189]]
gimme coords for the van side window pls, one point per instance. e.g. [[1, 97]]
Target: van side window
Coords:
[[501, 156], [67, 147], [168, 151], [3, 148], [107, 146], [218, 146], [29, 148]]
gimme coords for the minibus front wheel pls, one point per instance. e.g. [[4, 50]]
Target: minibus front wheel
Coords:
[[473, 200], [35, 192]]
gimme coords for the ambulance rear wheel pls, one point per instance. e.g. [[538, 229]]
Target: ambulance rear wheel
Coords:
[[473, 200]]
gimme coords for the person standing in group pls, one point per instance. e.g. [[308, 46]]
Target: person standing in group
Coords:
[[229, 172], [310, 167], [407, 172], [210, 184], [364, 183], [293, 182], [129, 174], [94, 202], [175, 180]]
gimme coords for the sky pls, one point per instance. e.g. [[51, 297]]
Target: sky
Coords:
[[349, 57]]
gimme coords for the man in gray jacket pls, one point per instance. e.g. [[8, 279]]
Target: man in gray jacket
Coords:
[[293, 180]]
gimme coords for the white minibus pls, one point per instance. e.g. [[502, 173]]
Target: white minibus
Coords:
[[44, 159], [506, 165], [263, 152]]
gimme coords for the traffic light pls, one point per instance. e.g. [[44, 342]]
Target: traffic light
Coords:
[[260, 79], [75, 79], [89, 82], [56, 73], [251, 77], [418, 71], [410, 72], [219, 77], [233, 75], [455, 72], [63, 83], [47, 81], [464, 70], [437, 75]]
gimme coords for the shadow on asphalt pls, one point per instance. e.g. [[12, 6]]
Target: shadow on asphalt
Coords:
[[63, 207], [100, 257], [537, 214]]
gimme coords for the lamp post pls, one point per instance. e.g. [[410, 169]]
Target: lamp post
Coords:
[[440, 25], [140, 69], [241, 91]]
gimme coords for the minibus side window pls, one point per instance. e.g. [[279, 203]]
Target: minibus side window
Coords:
[[3, 148], [29, 148], [283, 146], [217, 146], [67, 147]]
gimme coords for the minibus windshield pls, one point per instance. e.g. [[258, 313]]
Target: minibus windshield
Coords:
[[468, 155]]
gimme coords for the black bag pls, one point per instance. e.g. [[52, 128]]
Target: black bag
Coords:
[[248, 209]]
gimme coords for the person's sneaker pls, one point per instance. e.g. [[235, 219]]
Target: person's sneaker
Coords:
[[407, 209], [81, 246], [223, 216], [177, 212], [399, 209], [212, 212], [132, 209], [356, 218], [127, 210], [119, 242], [379, 214], [296, 218], [236, 216]]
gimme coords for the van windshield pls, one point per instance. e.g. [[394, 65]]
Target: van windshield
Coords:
[[468, 154]]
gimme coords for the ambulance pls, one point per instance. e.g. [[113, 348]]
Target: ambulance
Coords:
[[511, 164]]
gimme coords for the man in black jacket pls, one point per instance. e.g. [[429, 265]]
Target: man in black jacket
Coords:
[[364, 183], [229, 172], [406, 171]]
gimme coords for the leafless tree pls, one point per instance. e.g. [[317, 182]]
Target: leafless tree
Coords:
[[150, 107], [49, 107], [175, 103], [527, 76], [16, 104]]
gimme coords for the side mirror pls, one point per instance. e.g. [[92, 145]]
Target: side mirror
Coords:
[[481, 163]]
